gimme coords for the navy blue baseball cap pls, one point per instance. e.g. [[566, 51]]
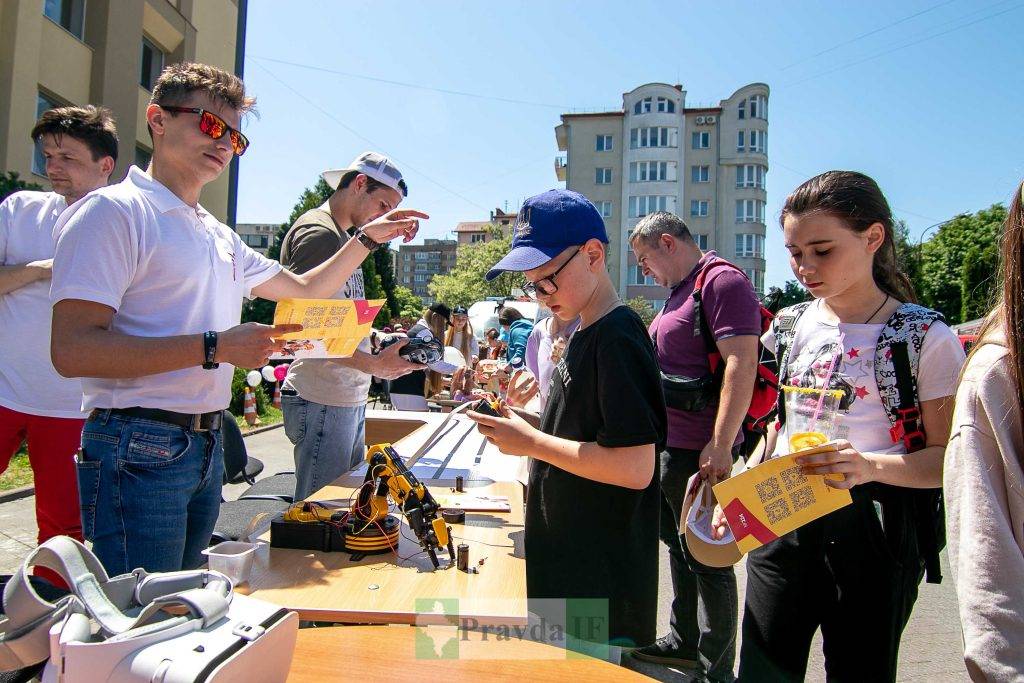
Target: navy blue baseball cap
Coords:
[[546, 226]]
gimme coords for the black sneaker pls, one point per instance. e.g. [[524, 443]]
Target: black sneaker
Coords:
[[665, 651]]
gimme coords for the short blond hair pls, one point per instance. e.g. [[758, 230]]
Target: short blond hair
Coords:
[[178, 81]]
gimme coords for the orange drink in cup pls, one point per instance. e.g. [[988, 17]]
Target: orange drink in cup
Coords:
[[810, 416]]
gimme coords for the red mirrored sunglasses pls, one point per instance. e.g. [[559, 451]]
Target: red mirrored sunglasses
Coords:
[[214, 126]]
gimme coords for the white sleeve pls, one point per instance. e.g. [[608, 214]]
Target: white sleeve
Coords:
[[256, 268], [97, 252], [942, 356], [6, 218]]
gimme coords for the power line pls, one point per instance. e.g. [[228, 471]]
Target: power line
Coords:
[[417, 86], [865, 35], [367, 140], [905, 45]]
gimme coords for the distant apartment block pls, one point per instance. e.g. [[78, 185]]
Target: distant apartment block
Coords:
[[417, 264], [259, 236], [705, 164], [472, 232]]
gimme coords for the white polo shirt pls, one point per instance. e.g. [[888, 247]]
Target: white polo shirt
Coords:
[[166, 269], [28, 382]]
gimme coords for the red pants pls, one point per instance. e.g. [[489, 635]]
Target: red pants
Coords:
[[52, 444]]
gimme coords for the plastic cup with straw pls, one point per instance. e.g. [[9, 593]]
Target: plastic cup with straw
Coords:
[[809, 427]]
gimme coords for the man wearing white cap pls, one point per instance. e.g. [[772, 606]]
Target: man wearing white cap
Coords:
[[324, 401]]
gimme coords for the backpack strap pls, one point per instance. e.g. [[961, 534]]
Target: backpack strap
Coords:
[[784, 329], [897, 360]]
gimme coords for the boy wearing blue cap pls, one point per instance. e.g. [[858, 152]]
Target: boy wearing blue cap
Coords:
[[592, 504]]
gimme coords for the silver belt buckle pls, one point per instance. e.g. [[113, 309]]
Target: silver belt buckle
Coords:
[[197, 423]]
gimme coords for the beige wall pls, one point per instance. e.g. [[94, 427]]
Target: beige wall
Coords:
[[103, 68]]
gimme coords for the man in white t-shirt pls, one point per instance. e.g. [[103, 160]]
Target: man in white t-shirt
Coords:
[[37, 405], [147, 295]]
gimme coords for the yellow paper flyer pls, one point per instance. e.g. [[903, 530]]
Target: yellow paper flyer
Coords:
[[331, 328], [774, 498]]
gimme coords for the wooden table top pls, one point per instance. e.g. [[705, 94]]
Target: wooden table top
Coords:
[[404, 588], [400, 653]]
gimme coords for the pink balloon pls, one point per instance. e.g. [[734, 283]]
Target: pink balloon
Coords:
[[280, 372]]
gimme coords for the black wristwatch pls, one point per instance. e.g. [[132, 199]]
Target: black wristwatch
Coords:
[[210, 350], [366, 240]]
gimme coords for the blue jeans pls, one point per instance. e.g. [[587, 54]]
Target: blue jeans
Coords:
[[329, 441], [149, 491]]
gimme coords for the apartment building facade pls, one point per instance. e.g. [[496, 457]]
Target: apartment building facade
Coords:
[[472, 232], [417, 264], [259, 236], [705, 164], [107, 52]]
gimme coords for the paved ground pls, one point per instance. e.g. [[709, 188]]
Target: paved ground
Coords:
[[931, 649]]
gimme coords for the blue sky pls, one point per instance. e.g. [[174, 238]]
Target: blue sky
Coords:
[[922, 95]]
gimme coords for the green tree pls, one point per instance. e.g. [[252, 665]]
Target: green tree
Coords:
[[908, 256], [977, 290], [792, 293], [465, 284], [643, 308], [943, 283], [409, 305], [11, 183], [383, 260]]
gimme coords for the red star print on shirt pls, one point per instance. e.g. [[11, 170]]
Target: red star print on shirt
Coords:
[[861, 392], [853, 353]]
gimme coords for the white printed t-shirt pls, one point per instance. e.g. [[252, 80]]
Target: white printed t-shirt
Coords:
[[862, 419], [166, 269], [28, 382]]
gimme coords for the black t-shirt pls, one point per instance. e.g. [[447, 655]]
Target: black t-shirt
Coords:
[[586, 539]]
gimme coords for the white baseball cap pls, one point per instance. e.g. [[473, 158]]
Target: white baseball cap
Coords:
[[373, 165], [698, 508]]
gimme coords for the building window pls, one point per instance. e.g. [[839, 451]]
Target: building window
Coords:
[[743, 109], [43, 103], [756, 278], [650, 171], [421, 256], [698, 207], [142, 157], [640, 206], [701, 240], [604, 143], [749, 211], [152, 64], [758, 141], [653, 137], [421, 267], [407, 269], [700, 174], [750, 175], [701, 140], [666, 106], [740, 139], [750, 245], [407, 256], [473, 239], [605, 208], [636, 276], [256, 241], [420, 277], [603, 176], [759, 107], [68, 13], [643, 106]]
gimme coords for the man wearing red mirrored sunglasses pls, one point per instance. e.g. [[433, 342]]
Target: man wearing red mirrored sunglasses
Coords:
[[147, 295]]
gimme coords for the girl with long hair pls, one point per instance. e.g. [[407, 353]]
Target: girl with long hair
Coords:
[[855, 572], [460, 336], [984, 478]]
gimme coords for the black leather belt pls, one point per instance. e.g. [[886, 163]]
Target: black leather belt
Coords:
[[202, 422]]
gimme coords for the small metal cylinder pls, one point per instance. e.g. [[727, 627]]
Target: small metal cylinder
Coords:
[[458, 483], [463, 562]]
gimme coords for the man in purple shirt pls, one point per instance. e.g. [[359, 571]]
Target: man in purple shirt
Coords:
[[704, 611]]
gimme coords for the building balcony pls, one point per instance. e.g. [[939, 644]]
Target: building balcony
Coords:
[[562, 137], [561, 168]]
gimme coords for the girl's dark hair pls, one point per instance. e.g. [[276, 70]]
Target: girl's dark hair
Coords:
[[492, 333], [855, 199], [509, 315]]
